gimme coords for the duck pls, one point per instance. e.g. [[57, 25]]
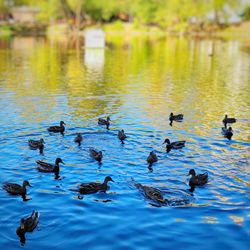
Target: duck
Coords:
[[95, 154], [227, 120], [78, 139], [50, 168], [152, 158], [151, 193], [197, 180], [122, 136], [177, 118], [102, 121], [174, 145], [16, 189], [227, 132], [37, 144], [27, 224], [57, 129], [94, 187]]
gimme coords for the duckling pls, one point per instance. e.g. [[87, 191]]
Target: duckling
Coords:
[[78, 139], [37, 144], [16, 189], [227, 120], [174, 145], [228, 133], [177, 118], [57, 129], [151, 159], [50, 168], [95, 154], [102, 121], [94, 187], [151, 193], [122, 136], [197, 180], [27, 225]]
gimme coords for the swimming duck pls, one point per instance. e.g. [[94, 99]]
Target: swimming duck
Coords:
[[27, 225], [151, 192], [16, 189], [57, 129], [174, 145], [93, 187], [122, 136], [50, 168], [227, 120], [78, 139], [102, 121], [227, 132], [95, 154], [152, 158], [197, 180], [177, 118], [37, 144]]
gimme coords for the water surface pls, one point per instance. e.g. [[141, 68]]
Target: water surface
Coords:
[[137, 83]]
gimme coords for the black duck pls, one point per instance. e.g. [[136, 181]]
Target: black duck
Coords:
[[16, 189], [93, 187], [227, 120], [177, 118], [78, 139], [122, 136], [152, 158], [151, 193], [95, 154], [102, 121], [174, 145], [37, 144], [57, 129], [50, 168], [27, 224], [197, 180]]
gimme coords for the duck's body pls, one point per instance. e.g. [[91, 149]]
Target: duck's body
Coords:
[[78, 139], [27, 224], [122, 136], [16, 189], [57, 129], [197, 180], [227, 132], [177, 118], [95, 154], [102, 121], [37, 144], [152, 158], [151, 192], [50, 168], [94, 187], [174, 145], [227, 120]]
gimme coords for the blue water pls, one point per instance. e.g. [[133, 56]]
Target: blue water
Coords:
[[43, 82]]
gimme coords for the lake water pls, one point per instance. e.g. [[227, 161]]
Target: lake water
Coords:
[[136, 82]]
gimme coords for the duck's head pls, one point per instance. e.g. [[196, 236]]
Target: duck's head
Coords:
[[107, 179], [62, 123], [26, 183], [152, 153], [166, 141], [191, 172], [122, 131], [108, 119], [42, 141], [230, 129], [59, 160], [229, 134], [225, 116], [171, 114]]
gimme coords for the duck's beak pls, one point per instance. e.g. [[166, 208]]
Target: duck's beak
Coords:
[[29, 185], [62, 162], [188, 174], [112, 180]]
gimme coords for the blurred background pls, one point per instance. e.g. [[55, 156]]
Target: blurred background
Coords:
[[158, 17]]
